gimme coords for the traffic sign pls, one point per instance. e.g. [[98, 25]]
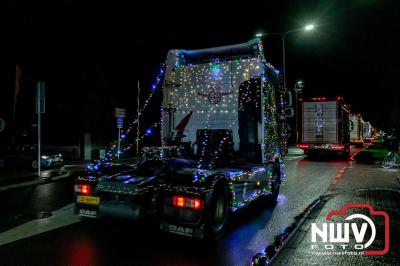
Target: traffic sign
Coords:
[[120, 122], [120, 112]]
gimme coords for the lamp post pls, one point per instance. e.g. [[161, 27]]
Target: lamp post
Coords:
[[298, 88], [308, 27]]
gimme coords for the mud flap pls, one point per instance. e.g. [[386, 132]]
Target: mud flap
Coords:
[[196, 231]]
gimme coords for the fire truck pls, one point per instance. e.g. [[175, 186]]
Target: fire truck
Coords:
[[325, 126]]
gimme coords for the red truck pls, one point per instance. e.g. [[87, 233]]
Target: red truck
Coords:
[[324, 126]]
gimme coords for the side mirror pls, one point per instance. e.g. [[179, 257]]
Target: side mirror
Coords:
[[289, 112]]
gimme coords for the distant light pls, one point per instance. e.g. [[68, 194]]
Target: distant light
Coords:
[[123, 136], [309, 27], [259, 35], [149, 131]]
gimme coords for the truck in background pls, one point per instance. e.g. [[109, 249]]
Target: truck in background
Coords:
[[324, 126], [356, 130], [367, 134], [367, 130]]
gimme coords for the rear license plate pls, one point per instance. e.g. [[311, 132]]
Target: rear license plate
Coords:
[[88, 200]]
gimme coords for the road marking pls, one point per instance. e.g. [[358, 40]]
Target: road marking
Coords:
[[290, 158], [61, 218], [336, 179]]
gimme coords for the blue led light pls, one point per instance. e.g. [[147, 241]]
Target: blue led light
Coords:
[[149, 131]]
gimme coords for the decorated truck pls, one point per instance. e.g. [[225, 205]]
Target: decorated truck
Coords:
[[325, 126], [356, 129], [367, 130], [223, 134]]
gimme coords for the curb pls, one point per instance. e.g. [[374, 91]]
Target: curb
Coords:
[[271, 252]]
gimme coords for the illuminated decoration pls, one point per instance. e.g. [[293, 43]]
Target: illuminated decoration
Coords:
[[154, 87], [211, 91], [215, 91], [158, 81], [158, 153], [111, 154]]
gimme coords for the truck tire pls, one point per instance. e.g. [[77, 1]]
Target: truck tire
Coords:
[[217, 212]]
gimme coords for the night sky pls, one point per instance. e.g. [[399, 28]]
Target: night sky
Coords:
[[91, 55]]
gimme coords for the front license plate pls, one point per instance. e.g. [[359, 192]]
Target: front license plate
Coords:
[[88, 200]]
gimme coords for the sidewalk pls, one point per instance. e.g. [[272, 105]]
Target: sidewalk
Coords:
[[10, 179], [300, 250], [19, 178], [360, 184]]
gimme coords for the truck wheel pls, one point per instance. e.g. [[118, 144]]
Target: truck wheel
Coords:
[[217, 213]]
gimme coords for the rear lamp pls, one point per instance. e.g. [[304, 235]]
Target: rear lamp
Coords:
[[303, 146], [83, 189], [184, 202]]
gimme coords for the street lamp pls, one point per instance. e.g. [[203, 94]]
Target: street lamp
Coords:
[[308, 27], [298, 88]]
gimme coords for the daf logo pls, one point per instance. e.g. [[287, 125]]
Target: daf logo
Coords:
[[180, 229]]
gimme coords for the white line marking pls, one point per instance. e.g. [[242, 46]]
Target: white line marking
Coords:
[[290, 158], [61, 217]]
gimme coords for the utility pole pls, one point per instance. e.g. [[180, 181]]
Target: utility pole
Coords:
[[16, 92], [40, 109], [298, 88]]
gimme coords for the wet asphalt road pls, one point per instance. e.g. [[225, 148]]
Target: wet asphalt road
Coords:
[[357, 184], [122, 242]]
